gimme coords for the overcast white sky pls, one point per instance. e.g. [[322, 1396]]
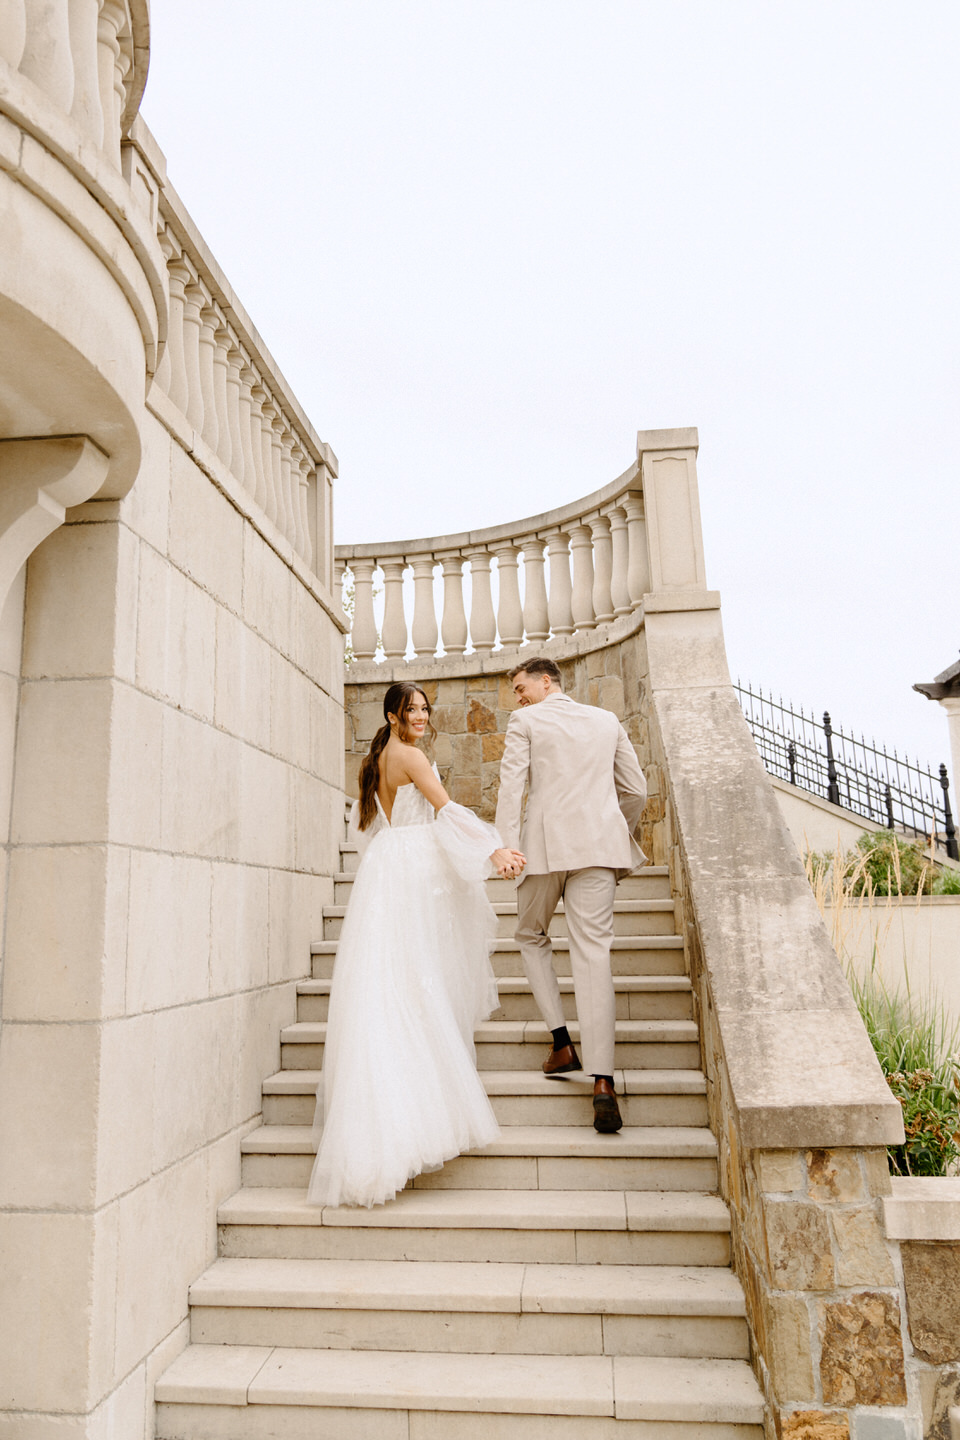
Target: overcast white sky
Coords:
[[488, 240]]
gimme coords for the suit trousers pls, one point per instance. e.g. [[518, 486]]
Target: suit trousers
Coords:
[[588, 897]]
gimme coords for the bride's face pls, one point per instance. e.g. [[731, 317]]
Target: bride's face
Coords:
[[413, 726]]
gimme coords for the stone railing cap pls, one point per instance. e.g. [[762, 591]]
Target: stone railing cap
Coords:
[[922, 1207]]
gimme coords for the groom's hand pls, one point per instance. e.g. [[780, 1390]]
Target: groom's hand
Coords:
[[509, 863]]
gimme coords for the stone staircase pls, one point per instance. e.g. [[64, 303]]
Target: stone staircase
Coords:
[[558, 1284]]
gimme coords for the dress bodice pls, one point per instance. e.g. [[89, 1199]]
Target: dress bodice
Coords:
[[410, 807]]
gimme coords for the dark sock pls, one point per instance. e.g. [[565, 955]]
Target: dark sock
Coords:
[[561, 1037], [604, 1077]]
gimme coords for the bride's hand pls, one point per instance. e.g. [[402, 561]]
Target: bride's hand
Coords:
[[509, 863]]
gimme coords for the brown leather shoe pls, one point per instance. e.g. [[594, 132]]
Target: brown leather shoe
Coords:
[[562, 1061], [606, 1111]]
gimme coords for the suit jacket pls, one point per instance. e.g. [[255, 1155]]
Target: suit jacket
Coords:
[[585, 788]]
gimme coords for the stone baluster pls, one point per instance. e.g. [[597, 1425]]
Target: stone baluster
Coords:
[[87, 109], [602, 569], [221, 340], [47, 59], [111, 65], [394, 632], [619, 590], [13, 31], [276, 432], [509, 610], [453, 626], [424, 634], [257, 422], [364, 636], [561, 615], [483, 622], [178, 275], [290, 489], [267, 411], [581, 601], [238, 457], [638, 570], [247, 380], [193, 300], [209, 320], [535, 616], [171, 251], [301, 482]]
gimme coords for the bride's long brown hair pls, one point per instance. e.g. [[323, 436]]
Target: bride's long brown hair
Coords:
[[397, 701]]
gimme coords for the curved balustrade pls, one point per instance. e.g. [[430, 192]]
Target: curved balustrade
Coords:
[[557, 574], [216, 374], [89, 57]]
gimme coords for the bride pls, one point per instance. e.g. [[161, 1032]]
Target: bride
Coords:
[[400, 1092]]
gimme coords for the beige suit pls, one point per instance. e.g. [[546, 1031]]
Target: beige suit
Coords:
[[585, 796]]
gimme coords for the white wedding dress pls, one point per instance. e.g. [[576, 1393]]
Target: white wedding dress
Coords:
[[400, 1093]]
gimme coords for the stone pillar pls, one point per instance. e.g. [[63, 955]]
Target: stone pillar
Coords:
[[47, 59], [638, 571], [620, 541], [561, 615], [300, 478], [193, 300], [535, 615], [509, 611], [671, 506], [581, 550], [178, 387], [425, 633], [951, 705], [266, 411], [602, 569], [453, 626], [483, 622], [86, 109], [394, 632], [13, 31], [209, 320], [258, 484], [238, 458], [111, 70], [276, 450], [221, 337], [364, 636]]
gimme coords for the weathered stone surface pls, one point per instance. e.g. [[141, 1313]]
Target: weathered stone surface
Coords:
[[787, 1328], [465, 790], [450, 692], [944, 1394], [449, 719], [492, 748], [861, 1361], [466, 755], [834, 1175], [814, 1425], [798, 1245], [505, 696], [861, 1251], [881, 1427], [480, 720], [931, 1274], [876, 1168], [779, 1171]]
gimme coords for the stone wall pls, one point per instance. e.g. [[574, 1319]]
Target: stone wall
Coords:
[[177, 809]]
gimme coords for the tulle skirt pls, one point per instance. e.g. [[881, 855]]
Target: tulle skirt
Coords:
[[400, 1093]]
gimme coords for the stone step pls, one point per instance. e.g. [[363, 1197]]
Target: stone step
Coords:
[[576, 1227], [528, 1097], [214, 1392], [630, 917], [629, 955], [525, 1158], [652, 883], [471, 1307], [638, 997]]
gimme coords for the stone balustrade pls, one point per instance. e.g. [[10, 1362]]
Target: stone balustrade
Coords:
[[89, 57], [563, 573]]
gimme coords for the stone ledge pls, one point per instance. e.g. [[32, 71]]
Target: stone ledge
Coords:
[[923, 1208]]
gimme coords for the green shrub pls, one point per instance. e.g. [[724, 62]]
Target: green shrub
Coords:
[[947, 882]]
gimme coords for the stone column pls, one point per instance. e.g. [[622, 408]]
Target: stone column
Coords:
[[581, 604], [250, 384], [483, 623], [86, 109], [221, 338], [238, 456], [13, 31], [638, 572], [177, 387], [283, 517], [209, 320], [300, 478], [291, 489], [453, 626], [264, 411], [509, 610], [602, 569], [111, 70], [951, 705], [364, 635], [193, 299], [561, 615], [394, 632], [619, 589], [47, 59], [535, 615], [425, 634]]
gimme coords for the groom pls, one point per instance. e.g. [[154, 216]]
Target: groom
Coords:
[[585, 795]]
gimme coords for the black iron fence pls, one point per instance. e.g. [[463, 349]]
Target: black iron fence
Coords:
[[885, 790]]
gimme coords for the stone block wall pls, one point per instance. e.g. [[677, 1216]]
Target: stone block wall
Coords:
[[177, 808]]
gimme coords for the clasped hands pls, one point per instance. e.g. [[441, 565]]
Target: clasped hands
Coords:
[[509, 863]]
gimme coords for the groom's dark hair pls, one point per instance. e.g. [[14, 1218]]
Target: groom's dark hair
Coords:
[[539, 665]]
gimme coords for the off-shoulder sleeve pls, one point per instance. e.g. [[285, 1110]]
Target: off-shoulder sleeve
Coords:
[[467, 841], [358, 837]]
